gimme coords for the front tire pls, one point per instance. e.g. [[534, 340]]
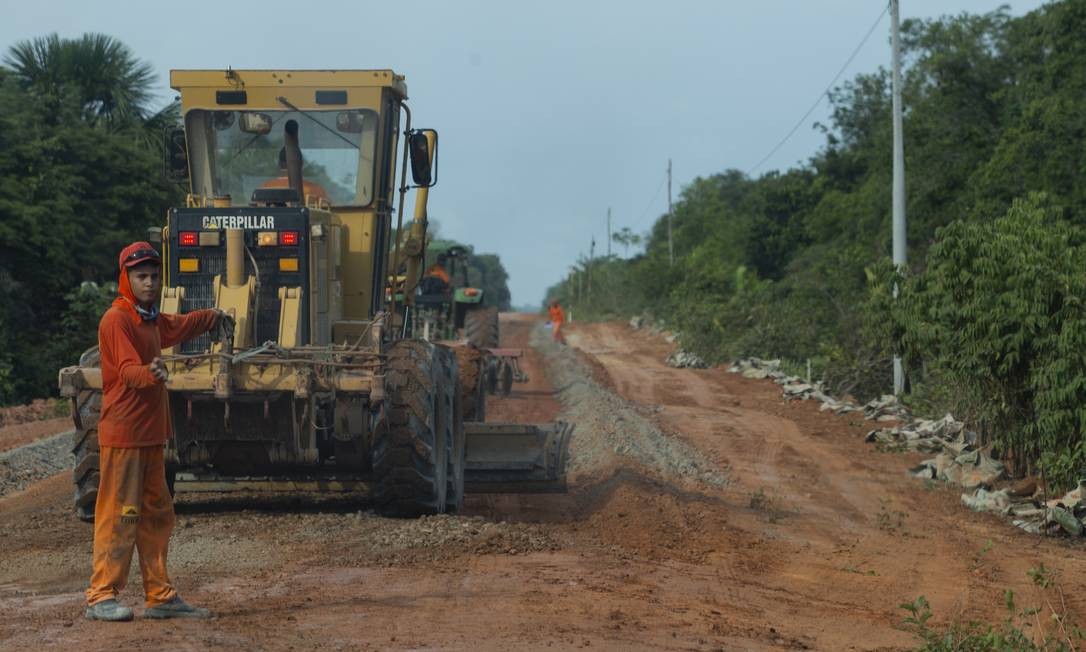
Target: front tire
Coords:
[[411, 451]]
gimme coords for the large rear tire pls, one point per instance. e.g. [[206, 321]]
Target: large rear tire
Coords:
[[481, 327], [86, 409], [85, 473], [411, 452]]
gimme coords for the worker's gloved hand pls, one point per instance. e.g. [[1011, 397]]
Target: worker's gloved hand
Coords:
[[158, 370], [219, 314], [223, 328]]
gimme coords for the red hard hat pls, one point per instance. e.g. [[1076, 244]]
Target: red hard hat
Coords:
[[136, 253]]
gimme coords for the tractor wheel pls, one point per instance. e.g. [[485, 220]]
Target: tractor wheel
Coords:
[[86, 407], [505, 378], [492, 369], [456, 438], [481, 326], [472, 368], [410, 453]]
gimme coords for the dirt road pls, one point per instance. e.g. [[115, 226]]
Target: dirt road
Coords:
[[705, 513]]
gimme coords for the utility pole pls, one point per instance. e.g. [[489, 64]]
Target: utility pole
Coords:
[[670, 245], [591, 257], [898, 201], [580, 282]]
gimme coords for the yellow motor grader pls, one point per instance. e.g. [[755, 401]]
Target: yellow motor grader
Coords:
[[294, 226]]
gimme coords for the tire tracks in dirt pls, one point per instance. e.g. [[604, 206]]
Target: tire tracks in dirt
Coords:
[[852, 536]]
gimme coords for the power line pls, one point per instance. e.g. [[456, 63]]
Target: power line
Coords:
[[823, 94], [648, 206]]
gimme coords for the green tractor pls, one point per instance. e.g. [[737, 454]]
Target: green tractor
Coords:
[[449, 308]]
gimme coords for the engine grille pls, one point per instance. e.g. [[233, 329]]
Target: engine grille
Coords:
[[199, 286]]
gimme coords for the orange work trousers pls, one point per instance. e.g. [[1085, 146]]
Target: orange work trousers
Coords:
[[556, 330], [134, 510]]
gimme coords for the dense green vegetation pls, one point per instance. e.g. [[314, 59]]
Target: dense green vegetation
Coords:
[[795, 263], [81, 175]]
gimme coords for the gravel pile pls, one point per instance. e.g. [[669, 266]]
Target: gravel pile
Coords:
[[609, 427], [474, 535], [360, 537], [25, 465]]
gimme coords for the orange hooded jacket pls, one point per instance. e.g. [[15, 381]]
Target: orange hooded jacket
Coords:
[[135, 405]]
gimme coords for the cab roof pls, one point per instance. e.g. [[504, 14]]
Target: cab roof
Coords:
[[326, 79]]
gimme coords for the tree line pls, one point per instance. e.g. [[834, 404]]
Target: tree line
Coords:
[[796, 263], [81, 175]]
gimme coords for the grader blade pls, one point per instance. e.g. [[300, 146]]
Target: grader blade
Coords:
[[516, 458]]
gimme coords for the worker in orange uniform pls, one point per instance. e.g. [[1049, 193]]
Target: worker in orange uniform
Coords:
[[558, 317], [437, 270], [436, 279], [134, 507]]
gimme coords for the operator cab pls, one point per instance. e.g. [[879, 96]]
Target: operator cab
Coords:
[[239, 153]]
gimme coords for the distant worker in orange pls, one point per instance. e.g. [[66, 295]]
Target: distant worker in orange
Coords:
[[311, 189], [436, 279], [558, 317], [134, 508]]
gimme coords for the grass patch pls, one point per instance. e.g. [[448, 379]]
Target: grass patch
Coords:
[[1043, 628]]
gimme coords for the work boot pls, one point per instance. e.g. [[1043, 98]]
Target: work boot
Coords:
[[110, 610], [175, 608]]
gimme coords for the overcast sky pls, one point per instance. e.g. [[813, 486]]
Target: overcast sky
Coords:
[[549, 112]]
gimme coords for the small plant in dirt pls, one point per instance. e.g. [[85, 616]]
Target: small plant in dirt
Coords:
[[760, 501], [978, 558], [1041, 576], [858, 571], [763, 502], [889, 520]]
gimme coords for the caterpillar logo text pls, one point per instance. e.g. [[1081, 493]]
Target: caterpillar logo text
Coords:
[[238, 222]]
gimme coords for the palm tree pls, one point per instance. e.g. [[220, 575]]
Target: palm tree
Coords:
[[112, 85]]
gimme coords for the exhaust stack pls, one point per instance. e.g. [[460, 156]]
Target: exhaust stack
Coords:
[[294, 159]]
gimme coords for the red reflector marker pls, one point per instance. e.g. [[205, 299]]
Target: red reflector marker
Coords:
[[288, 238], [188, 239]]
